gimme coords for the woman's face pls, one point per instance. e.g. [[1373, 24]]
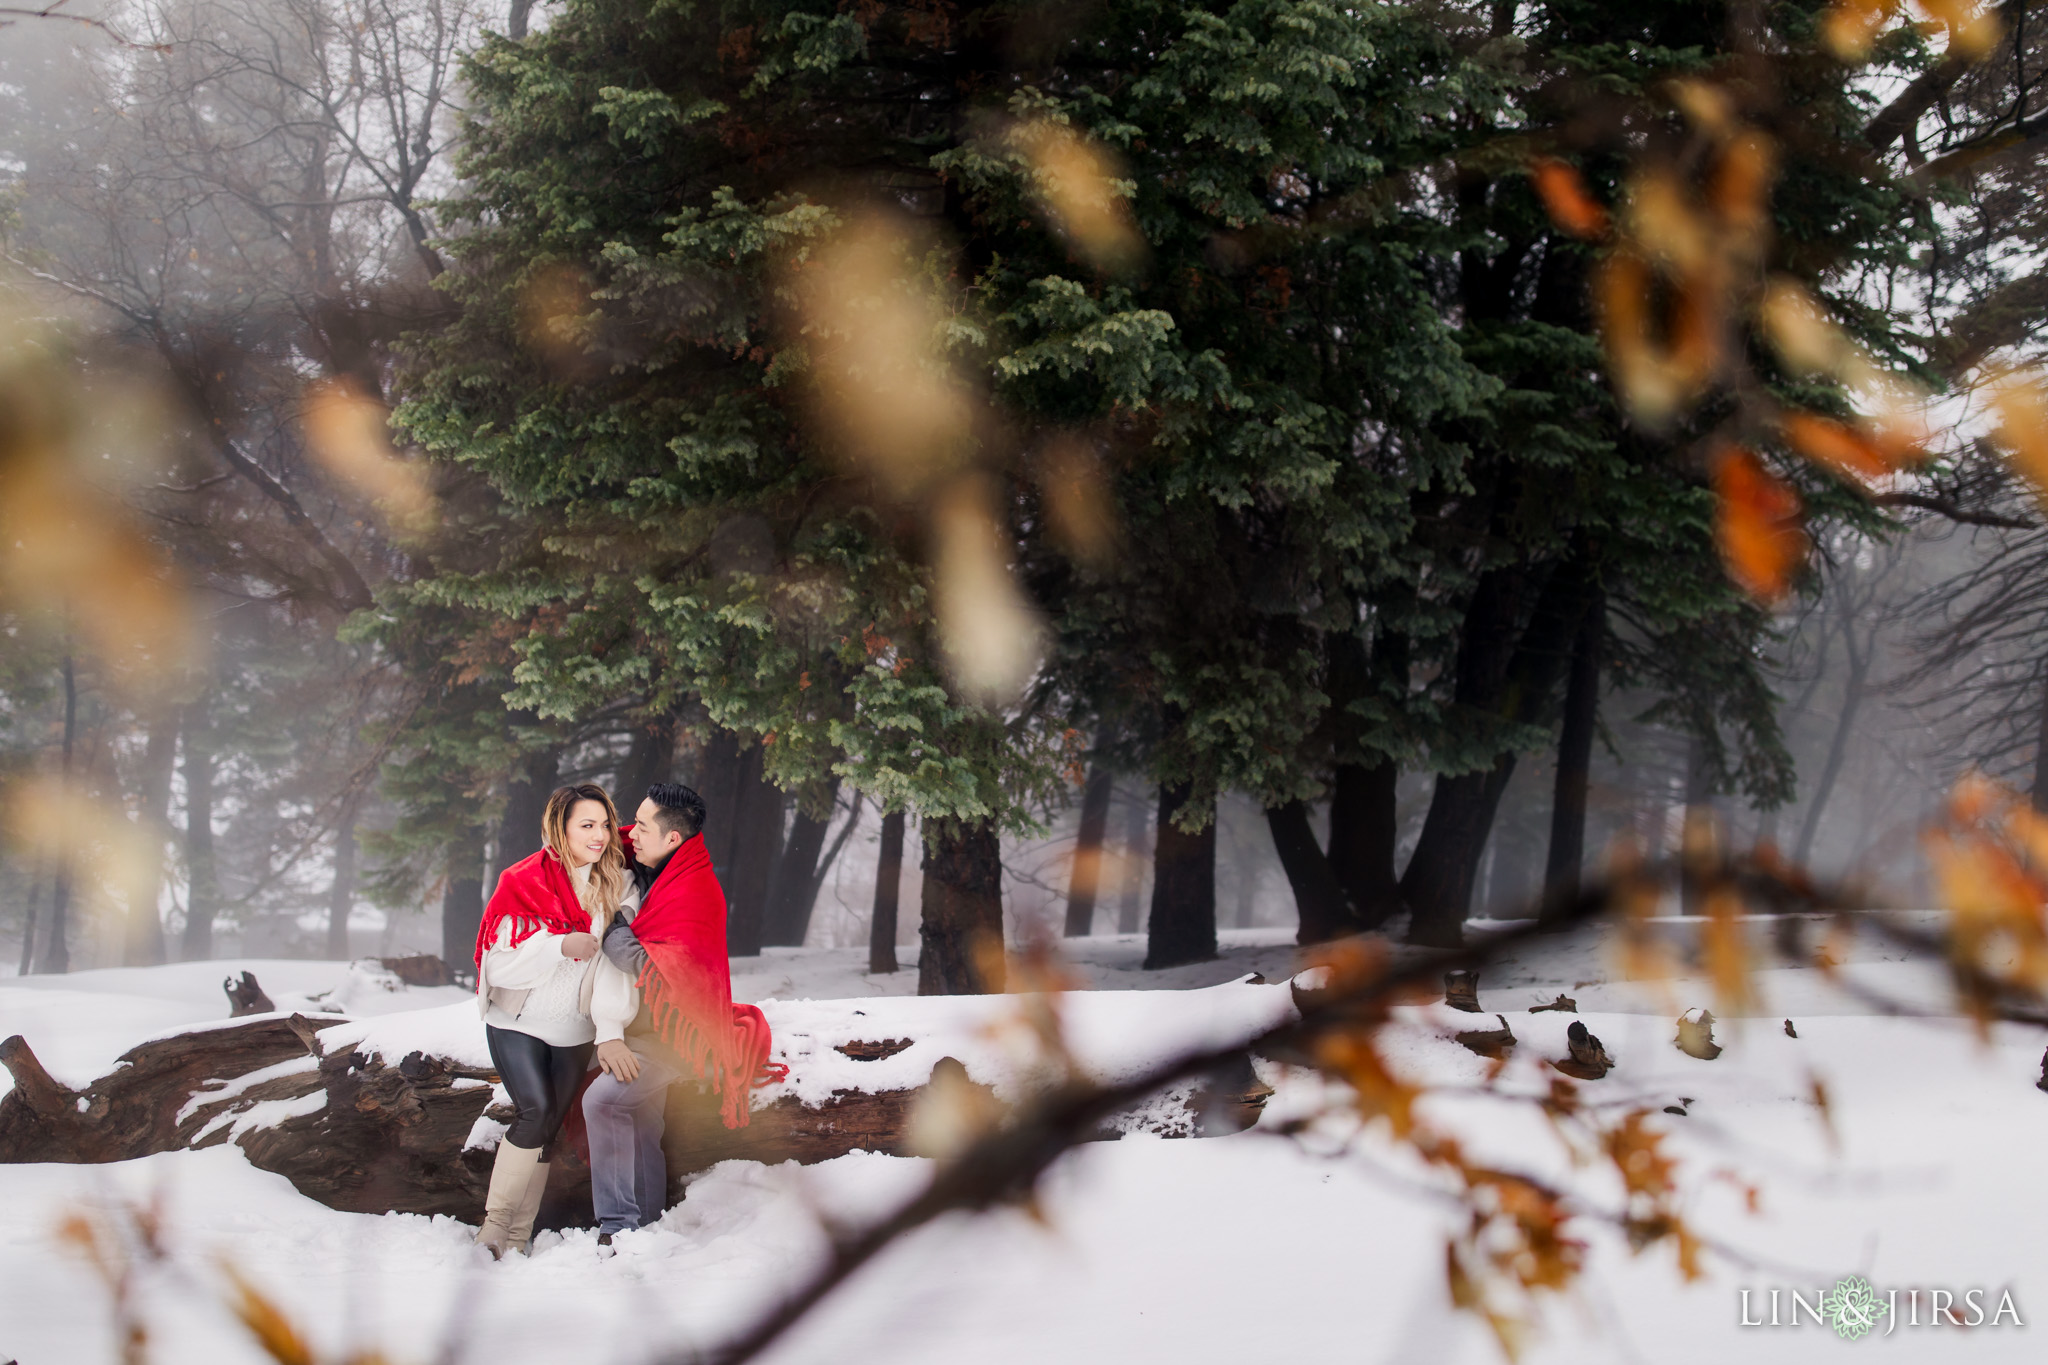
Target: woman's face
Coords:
[[589, 832]]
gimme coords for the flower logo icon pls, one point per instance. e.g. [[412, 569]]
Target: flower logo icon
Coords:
[[1851, 1307]]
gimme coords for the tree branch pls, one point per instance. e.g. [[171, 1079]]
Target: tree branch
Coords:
[[14, 13], [1961, 515]]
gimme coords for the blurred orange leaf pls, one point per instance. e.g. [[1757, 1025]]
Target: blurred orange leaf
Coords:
[[1565, 198], [1757, 526], [2023, 426], [1841, 448], [1077, 182]]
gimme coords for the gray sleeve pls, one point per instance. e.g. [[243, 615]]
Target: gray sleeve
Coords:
[[622, 948]]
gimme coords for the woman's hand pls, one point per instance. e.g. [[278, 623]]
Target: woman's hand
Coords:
[[617, 1061], [579, 945]]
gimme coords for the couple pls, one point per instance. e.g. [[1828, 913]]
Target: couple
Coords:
[[582, 951]]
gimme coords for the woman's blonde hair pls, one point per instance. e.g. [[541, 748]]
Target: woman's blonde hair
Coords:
[[606, 885]]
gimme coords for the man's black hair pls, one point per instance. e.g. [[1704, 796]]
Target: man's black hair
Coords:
[[678, 810]]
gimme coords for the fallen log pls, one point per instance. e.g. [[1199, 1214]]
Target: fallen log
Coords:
[[360, 1134]]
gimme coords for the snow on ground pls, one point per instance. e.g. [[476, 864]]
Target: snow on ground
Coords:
[[1229, 1250], [78, 1024]]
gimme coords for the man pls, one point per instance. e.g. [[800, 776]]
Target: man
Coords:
[[664, 1011]]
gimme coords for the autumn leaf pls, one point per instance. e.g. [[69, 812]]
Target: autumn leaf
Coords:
[[273, 1331], [1757, 526], [2023, 427], [1564, 196], [1836, 446]]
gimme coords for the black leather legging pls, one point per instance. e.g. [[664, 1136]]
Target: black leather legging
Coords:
[[541, 1079]]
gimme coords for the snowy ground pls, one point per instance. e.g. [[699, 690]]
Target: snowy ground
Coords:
[[1244, 1249]]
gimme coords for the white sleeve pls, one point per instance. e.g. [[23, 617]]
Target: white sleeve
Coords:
[[524, 967], [614, 1001]]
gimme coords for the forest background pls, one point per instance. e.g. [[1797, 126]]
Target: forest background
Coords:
[[1061, 439]]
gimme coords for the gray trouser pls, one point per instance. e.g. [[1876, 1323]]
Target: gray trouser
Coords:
[[628, 1177]]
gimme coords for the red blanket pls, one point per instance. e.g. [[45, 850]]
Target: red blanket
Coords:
[[688, 982], [535, 894]]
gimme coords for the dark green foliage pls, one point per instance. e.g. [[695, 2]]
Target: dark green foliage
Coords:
[[1348, 408]]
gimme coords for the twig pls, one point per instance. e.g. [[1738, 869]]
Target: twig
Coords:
[[15, 14], [1005, 1164]]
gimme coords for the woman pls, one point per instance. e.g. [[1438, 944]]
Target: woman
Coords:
[[534, 956]]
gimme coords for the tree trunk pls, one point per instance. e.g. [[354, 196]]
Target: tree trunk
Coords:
[[756, 843], [1135, 857], [28, 924], [716, 776], [961, 926], [527, 789], [55, 958], [2041, 749], [143, 941], [1365, 828], [341, 893], [462, 898], [389, 1135], [1318, 899], [650, 760], [793, 884], [202, 876], [888, 889], [1512, 674], [1182, 928], [1086, 880], [1696, 827], [1575, 737], [1364, 815], [1838, 745], [1445, 867]]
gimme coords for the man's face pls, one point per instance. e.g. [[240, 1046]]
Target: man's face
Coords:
[[651, 843]]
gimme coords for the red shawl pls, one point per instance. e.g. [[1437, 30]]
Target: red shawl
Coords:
[[687, 986], [535, 894]]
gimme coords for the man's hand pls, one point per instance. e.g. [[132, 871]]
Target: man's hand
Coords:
[[617, 1061], [579, 945]]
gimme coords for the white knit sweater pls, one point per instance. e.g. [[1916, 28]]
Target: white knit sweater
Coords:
[[556, 1008]]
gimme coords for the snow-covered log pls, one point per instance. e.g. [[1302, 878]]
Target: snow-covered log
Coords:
[[401, 1113]]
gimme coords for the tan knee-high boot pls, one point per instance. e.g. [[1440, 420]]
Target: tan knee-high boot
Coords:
[[529, 1209], [511, 1173]]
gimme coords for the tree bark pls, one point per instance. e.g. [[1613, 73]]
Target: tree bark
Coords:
[[888, 890], [1365, 830], [1569, 793], [55, 957], [1182, 927], [28, 924], [341, 892], [1086, 879], [527, 789], [1364, 814], [961, 926], [387, 1136], [756, 843], [1135, 857], [650, 760], [793, 886], [1318, 898], [1838, 745], [202, 875], [1512, 675], [1696, 826], [2040, 793], [143, 941], [462, 898]]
